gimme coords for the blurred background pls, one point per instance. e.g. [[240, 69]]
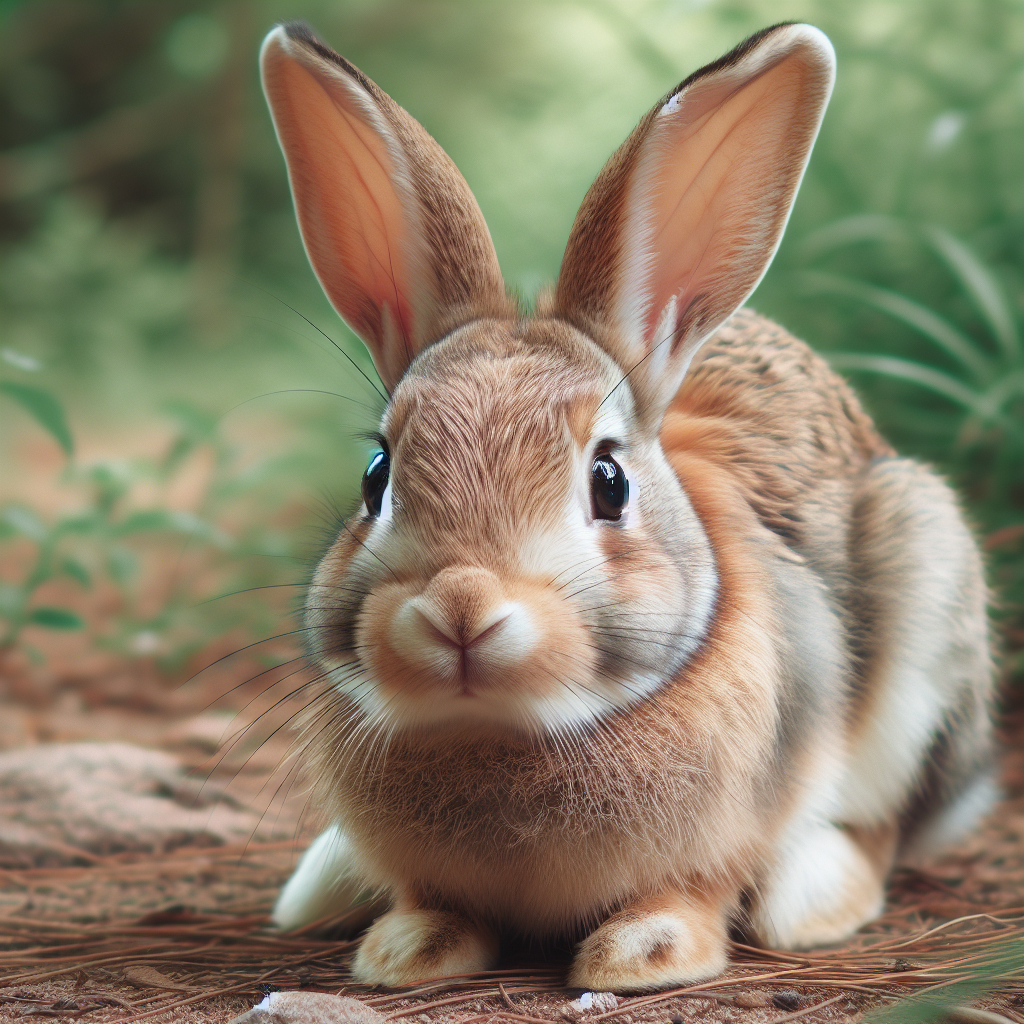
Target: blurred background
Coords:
[[177, 423]]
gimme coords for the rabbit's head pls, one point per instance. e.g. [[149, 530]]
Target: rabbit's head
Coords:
[[524, 558]]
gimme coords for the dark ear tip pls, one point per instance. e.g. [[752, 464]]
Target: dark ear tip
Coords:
[[301, 32], [737, 54]]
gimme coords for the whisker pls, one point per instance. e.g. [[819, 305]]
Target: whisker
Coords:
[[384, 397]]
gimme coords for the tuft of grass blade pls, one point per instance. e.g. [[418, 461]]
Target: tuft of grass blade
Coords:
[[862, 227], [981, 284], [927, 323], [906, 369]]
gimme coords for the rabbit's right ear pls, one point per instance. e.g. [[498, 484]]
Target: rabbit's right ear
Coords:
[[684, 219], [390, 226]]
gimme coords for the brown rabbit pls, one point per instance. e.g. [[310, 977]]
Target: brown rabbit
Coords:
[[642, 632]]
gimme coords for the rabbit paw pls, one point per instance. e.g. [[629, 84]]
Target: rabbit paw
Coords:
[[409, 944], [667, 941]]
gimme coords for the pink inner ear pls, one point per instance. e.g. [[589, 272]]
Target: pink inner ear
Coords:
[[352, 220], [713, 194]]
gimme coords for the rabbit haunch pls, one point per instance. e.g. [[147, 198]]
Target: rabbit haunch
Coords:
[[644, 632]]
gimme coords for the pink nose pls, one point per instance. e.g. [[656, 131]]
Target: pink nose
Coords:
[[462, 603], [462, 627], [464, 638]]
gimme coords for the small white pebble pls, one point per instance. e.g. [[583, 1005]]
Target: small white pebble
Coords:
[[601, 1002]]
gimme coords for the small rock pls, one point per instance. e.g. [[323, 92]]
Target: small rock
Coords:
[[590, 1002], [787, 999], [67, 802], [751, 1000], [309, 1008], [678, 1020]]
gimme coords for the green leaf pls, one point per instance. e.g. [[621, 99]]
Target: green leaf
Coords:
[[25, 521], [145, 521], [11, 599], [122, 565], [178, 522], [981, 284], [45, 409], [55, 618], [20, 360], [79, 523], [78, 572], [913, 314]]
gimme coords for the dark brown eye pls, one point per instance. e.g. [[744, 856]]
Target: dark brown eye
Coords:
[[609, 488], [375, 482]]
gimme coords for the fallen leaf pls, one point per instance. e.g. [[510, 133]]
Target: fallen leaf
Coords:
[[750, 1000], [150, 977]]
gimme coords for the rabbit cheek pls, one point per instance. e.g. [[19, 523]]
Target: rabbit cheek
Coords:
[[641, 627]]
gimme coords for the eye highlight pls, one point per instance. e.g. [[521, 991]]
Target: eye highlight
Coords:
[[375, 482], [609, 488]]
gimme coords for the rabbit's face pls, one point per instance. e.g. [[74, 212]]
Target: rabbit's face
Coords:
[[524, 557]]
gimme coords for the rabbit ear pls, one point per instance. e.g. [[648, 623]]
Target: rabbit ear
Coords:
[[390, 226], [685, 218]]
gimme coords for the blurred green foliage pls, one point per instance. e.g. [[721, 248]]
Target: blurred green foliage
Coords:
[[150, 253], [104, 539]]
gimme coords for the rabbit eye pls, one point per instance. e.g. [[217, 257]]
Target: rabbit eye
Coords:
[[375, 482], [609, 488]]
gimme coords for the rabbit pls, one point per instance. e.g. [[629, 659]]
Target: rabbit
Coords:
[[642, 636]]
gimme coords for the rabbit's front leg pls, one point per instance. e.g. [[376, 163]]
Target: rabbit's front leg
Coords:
[[655, 942], [411, 942]]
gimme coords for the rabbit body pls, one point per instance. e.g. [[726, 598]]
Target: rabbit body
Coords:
[[649, 634]]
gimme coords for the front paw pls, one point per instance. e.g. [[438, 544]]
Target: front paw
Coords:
[[650, 945], [407, 945]]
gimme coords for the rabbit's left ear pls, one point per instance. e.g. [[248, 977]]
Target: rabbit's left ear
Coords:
[[685, 218], [390, 226]]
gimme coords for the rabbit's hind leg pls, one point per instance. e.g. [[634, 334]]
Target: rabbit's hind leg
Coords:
[[324, 884], [920, 748], [827, 883]]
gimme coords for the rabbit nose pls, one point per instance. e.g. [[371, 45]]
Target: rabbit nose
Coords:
[[462, 625], [462, 635]]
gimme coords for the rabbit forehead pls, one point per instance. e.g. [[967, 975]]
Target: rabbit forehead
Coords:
[[487, 431], [497, 387]]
